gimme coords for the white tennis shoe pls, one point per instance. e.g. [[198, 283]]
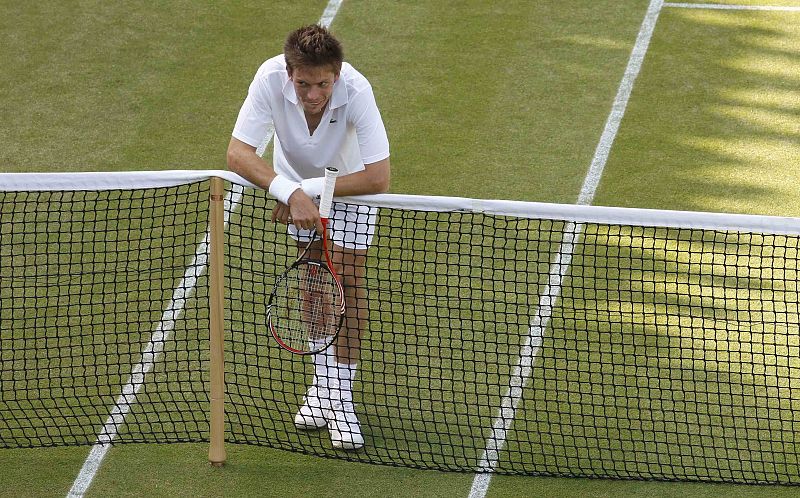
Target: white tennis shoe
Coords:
[[311, 414], [343, 425]]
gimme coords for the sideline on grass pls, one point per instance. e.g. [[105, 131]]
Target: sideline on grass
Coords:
[[560, 266]]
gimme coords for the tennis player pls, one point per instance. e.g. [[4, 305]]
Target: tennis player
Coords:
[[324, 114]]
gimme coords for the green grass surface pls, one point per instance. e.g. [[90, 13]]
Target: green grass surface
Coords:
[[484, 100], [96, 86], [503, 100], [714, 127]]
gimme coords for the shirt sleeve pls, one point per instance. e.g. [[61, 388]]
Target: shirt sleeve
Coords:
[[372, 140], [255, 116]]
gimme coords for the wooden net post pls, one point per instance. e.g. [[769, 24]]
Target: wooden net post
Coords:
[[216, 451]]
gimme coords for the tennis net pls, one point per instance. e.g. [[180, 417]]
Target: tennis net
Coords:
[[507, 337]]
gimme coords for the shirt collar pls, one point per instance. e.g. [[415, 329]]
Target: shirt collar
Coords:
[[339, 96], [288, 91]]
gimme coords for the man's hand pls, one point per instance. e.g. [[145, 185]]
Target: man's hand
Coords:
[[301, 212]]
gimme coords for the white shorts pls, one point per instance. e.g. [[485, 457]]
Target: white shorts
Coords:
[[350, 225]]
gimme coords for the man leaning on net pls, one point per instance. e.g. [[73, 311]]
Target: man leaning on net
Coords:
[[324, 114]]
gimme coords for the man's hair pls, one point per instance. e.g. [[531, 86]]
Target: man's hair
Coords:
[[313, 46]]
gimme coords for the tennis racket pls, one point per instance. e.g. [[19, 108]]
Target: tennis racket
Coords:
[[306, 307]]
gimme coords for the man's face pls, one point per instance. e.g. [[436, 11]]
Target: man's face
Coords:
[[313, 86]]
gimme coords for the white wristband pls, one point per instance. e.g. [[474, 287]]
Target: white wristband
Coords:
[[313, 188], [282, 188]]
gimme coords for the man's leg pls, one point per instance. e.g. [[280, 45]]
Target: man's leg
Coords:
[[329, 400], [343, 424], [311, 414]]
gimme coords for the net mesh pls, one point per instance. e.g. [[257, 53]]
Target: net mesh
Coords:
[[512, 344], [94, 285]]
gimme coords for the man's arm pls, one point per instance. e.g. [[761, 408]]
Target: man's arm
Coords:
[[374, 179], [243, 160]]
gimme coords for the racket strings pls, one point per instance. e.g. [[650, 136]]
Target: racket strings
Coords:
[[306, 309]]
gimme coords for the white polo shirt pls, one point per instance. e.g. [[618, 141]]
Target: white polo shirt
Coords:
[[350, 134]]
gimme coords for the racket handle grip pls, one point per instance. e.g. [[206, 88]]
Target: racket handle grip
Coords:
[[326, 199]]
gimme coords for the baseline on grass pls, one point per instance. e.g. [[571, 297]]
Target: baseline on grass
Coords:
[[718, 6]]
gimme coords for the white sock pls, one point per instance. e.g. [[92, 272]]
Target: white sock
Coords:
[[345, 374], [322, 363]]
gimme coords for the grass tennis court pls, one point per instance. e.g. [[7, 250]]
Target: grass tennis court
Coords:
[[488, 101]]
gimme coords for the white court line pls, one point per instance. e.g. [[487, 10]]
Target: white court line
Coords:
[[330, 13], [719, 6], [521, 375]]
